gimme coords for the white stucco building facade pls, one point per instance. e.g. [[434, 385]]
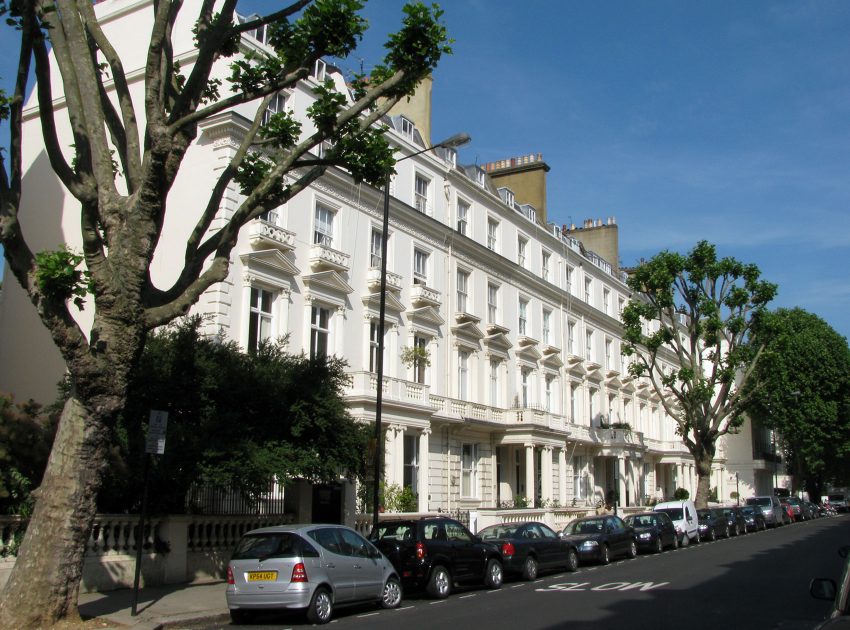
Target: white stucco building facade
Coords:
[[519, 319]]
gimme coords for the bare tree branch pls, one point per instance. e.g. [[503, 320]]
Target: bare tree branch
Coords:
[[272, 17]]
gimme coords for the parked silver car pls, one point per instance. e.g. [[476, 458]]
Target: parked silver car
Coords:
[[772, 510], [308, 567]]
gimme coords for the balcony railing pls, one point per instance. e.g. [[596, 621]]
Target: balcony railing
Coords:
[[262, 235], [422, 295], [373, 280], [324, 258]]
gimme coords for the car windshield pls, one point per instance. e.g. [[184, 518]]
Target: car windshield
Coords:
[[498, 531], [793, 500], [642, 520], [402, 530], [703, 515], [590, 526], [675, 513], [262, 546], [836, 497], [758, 501], [747, 511]]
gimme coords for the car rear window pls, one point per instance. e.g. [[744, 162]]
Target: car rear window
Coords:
[[498, 531], [836, 497], [272, 545], [403, 530], [675, 513], [758, 501]]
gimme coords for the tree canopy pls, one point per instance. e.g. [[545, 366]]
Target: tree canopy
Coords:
[[801, 389], [688, 330], [131, 129]]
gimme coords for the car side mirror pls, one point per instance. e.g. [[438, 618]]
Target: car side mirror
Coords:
[[561, 535], [823, 588]]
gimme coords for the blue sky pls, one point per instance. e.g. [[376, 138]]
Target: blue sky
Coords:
[[726, 121]]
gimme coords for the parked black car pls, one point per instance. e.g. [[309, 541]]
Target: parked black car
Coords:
[[654, 531], [600, 538], [527, 548], [737, 523], [839, 594], [712, 523], [753, 518], [436, 553]]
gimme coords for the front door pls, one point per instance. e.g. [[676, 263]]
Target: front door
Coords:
[[327, 504]]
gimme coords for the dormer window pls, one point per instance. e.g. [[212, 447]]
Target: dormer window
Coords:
[[451, 156], [481, 178], [260, 33], [320, 70], [407, 127], [507, 196]]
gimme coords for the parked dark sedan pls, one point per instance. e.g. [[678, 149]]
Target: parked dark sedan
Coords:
[[527, 548], [737, 524], [600, 538], [712, 523], [753, 518], [654, 531]]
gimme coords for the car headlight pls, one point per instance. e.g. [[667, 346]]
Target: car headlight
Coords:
[[589, 544], [645, 536]]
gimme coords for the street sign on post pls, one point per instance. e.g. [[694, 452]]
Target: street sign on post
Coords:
[[155, 443]]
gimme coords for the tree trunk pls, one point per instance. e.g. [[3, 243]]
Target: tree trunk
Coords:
[[703, 464], [44, 584]]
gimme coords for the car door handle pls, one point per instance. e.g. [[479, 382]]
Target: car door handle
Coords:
[[330, 565]]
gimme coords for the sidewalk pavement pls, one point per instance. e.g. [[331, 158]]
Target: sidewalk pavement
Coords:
[[158, 606]]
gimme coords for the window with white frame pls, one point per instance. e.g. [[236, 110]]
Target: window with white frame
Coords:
[[606, 301], [323, 230], [547, 324], [579, 490], [521, 247], [276, 106], [420, 365], [544, 267], [373, 346], [621, 304], [495, 399], [609, 359], [462, 217], [463, 374], [375, 248], [570, 273], [591, 405], [508, 196], [549, 388], [420, 267], [588, 345], [259, 317], [269, 216], [588, 290], [407, 127], [319, 331], [571, 338], [320, 70], [462, 291], [612, 408], [492, 234], [525, 386], [469, 470], [523, 317], [411, 462], [492, 303], [420, 194], [573, 403]]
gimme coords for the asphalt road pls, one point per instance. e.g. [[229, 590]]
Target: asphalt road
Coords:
[[754, 581]]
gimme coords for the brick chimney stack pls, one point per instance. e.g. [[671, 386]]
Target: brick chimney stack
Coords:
[[525, 175]]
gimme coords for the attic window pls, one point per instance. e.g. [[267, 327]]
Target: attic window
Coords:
[[481, 177], [407, 127], [319, 70], [507, 196]]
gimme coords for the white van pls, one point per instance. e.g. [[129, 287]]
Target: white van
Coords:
[[684, 517]]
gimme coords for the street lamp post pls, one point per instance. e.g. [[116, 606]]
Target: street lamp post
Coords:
[[451, 142]]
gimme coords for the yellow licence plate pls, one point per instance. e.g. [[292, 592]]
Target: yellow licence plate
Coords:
[[262, 576]]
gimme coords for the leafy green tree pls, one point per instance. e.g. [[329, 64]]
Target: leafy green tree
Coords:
[[687, 329], [26, 432], [801, 389], [122, 163], [235, 419]]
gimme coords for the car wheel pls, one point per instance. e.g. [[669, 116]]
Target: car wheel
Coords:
[[572, 561], [321, 606], [240, 617], [728, 532], [391, 596], [659, 545], [737, 530], [494, 575], [529, 569], [713, 536], [685, 540], [633, 549], [675, 542], [697, 538], [440, 583], [605, 555]]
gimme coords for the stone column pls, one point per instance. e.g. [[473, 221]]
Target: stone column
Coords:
[[546, 473], [424, 470], [621, 480], [530, 491], [562, 475]]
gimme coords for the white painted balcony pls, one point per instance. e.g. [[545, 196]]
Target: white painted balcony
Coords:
[[324, 258], [422, 295], [373, 280], [365, 385], [263, 235]]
